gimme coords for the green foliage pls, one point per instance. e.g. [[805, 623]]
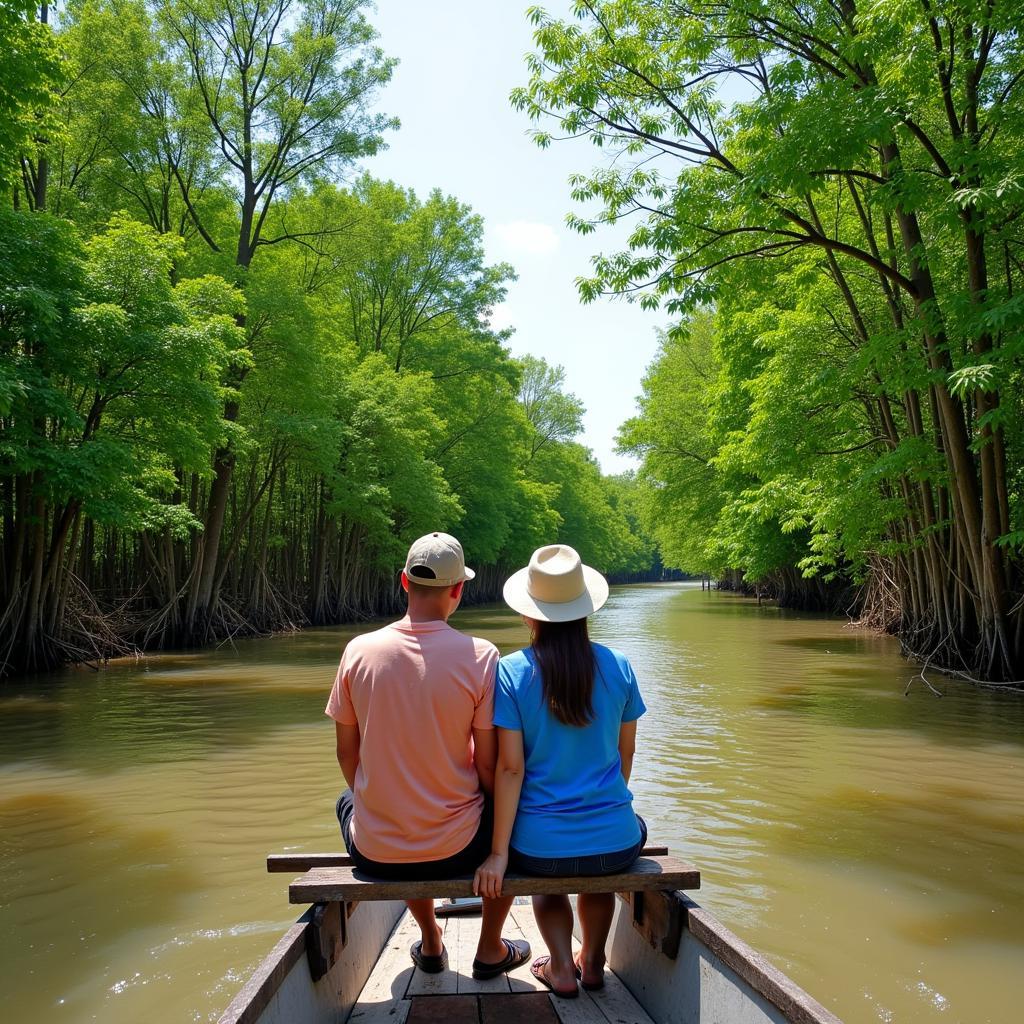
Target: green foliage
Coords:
[[681, 493], [384, 479], [40, 285], [115, 370], [842, 186], [415, 272], [231, 390], [590, 519], [30, 78], [553, 415]]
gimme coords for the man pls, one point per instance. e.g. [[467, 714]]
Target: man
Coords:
[[412, 705]]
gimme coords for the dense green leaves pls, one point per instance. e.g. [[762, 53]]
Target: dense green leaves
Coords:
[[116, 370], [231, 390], [841, 184], [29, 81]]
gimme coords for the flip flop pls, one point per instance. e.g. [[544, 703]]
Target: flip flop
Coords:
[[427, 963], [588, 985], [518, 952], [537, 970]]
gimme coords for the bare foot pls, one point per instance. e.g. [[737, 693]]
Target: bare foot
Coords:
[[590, 973]]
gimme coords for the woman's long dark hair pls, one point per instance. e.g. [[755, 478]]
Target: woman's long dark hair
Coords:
[[566, 662]]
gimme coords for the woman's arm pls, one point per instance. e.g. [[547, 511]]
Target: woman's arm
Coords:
[[508, 784], [627, 747], [347, 741]]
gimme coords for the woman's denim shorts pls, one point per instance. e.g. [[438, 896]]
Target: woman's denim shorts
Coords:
[[592, 864]]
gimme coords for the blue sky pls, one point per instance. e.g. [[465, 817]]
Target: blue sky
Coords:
[[459, 61]]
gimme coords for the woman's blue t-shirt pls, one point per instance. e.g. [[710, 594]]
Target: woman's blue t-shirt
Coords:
[[574, 800]]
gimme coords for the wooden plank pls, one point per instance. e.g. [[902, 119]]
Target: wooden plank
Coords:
[[297, 862], [617, 1003], [469, 938], [578, 1011], [446, 982], [444, 1010], [396, 1012], [382, 999], [521, 980], [529, 1008], [321, 885]]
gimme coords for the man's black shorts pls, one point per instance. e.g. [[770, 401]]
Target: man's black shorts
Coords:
[[465, 862]]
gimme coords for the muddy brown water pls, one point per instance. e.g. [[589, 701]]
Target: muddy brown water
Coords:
[[870, 843]]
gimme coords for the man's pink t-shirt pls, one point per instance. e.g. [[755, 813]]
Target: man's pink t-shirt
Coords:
[[416, 690]]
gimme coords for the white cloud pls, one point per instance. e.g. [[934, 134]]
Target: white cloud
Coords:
[[527, 237], [502, 317]]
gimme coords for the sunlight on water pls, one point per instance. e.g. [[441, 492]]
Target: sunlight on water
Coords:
[[869, 842]]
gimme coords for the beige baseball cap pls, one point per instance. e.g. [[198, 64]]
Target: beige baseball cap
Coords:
[[437, 560]]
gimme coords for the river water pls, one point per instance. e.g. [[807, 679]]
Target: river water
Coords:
[[870, 842]]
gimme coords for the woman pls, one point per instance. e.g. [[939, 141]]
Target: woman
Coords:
[[565, 710]]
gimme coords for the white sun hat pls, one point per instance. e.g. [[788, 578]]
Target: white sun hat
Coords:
[[556, 586]]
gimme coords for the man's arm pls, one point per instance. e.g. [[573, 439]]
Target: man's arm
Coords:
[[485, 756], [348, 751]]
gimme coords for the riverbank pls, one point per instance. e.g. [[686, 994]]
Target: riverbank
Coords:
[[485, 589]]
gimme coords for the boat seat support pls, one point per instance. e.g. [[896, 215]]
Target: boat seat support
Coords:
[[659, 917], [326, 936]]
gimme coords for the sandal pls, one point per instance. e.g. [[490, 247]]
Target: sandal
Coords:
[[537, 970], [427, 963], [518, 952], [590, 986]]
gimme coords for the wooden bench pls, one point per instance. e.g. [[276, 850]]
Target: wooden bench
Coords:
[[327, 882]]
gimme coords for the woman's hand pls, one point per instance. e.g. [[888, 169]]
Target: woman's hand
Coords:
[[508, 782], [489, 876]]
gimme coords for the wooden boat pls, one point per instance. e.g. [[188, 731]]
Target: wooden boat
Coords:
[[670, 961]]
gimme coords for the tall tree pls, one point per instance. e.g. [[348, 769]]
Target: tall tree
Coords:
[[113, 386], [674, 434], [914, 187], [29, 81], [419, 274], [553, 414], [285, 86], [231, 390], [134, 135]]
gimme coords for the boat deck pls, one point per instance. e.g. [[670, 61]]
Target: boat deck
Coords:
[[398, 993]]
